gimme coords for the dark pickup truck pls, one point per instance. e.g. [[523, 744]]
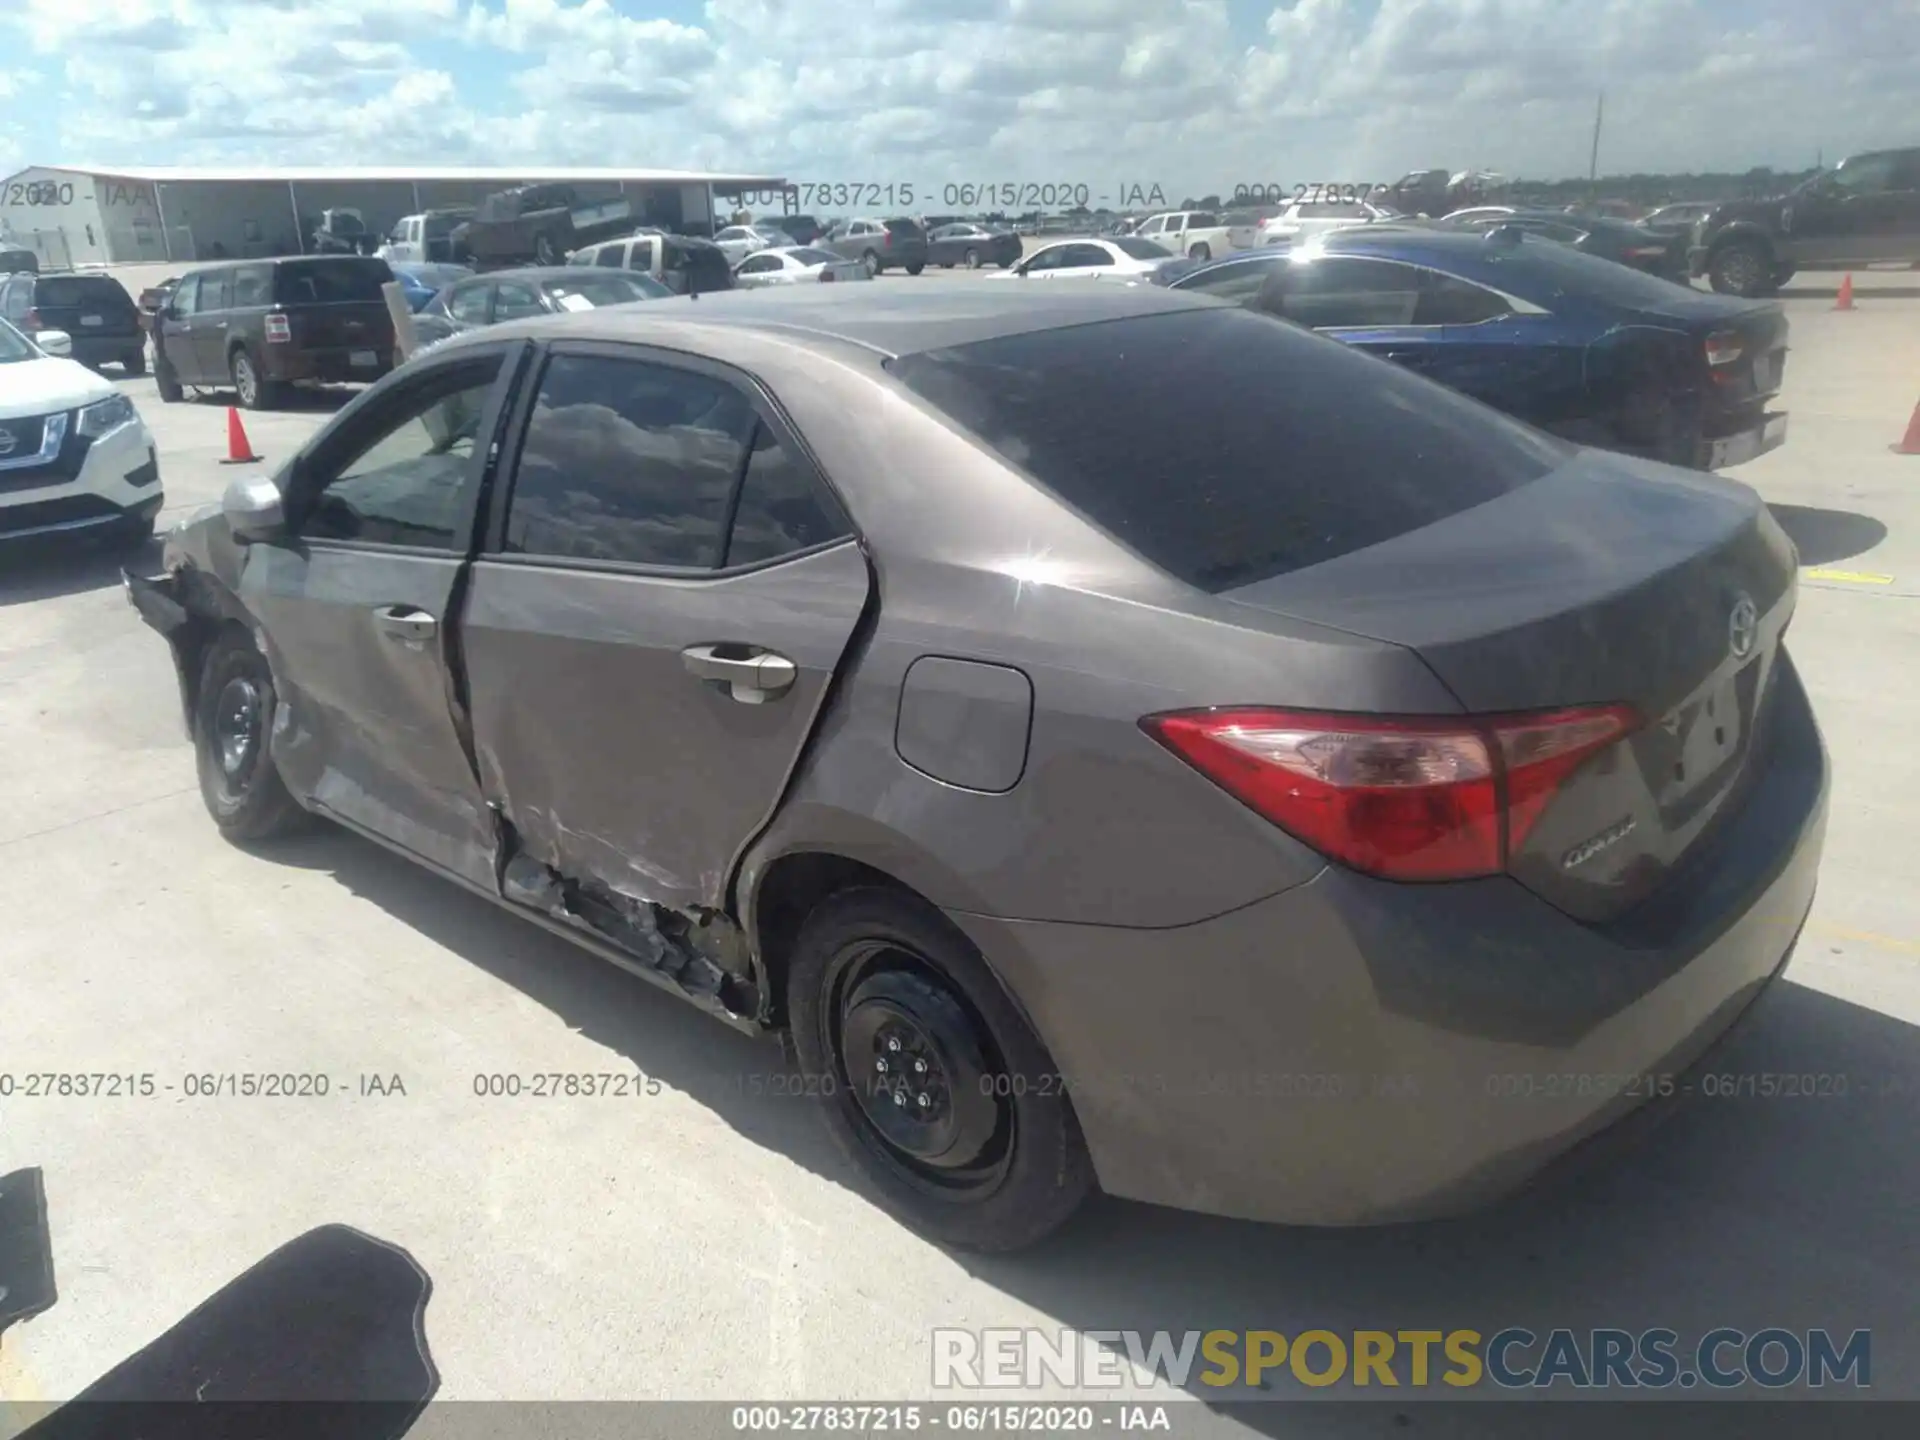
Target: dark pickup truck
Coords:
[[541, 224], [1864, 211]]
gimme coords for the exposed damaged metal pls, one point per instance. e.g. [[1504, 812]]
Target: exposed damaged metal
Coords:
[[694, 953]]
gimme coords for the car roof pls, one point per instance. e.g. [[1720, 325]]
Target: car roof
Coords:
[[542, 272], [885, 320]]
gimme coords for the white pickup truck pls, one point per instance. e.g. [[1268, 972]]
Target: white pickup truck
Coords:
[[1197, 234]]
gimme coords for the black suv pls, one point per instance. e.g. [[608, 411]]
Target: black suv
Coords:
[[262, 325], [1864, 211], [95, 310]]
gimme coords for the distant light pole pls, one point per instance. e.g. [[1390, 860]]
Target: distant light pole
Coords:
[[1593, 160]]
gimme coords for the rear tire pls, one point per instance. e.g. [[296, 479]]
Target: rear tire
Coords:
[[916, 269], [135, 362], [1741, 268], [254, 390], [233, 720], [911, 1040], [1202, 251]]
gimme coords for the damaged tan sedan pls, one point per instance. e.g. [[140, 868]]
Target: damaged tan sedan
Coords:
[[1089, 792]]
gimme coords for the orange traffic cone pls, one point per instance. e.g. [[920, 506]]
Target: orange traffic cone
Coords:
[[1911, 444], [1845, 301], [239, 449]]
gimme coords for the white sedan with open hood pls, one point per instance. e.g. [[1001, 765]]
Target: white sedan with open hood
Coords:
[[74, 454], [795, 265]]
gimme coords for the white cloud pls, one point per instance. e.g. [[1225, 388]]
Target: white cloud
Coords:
[[1194, 93]]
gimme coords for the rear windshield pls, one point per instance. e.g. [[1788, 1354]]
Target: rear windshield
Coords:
[[1543, 271], [904, 227], [590, 292], [1142, 249], [67, 292], [1227, 447], [330, 281], [808, 256]]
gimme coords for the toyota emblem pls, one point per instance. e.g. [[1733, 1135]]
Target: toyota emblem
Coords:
[[7, 442], [1743, 626]]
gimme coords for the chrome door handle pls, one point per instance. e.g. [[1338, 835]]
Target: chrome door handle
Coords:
[[405, 623], [751, 676]]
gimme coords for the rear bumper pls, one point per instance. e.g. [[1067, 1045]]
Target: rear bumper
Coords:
[[1358, 1052], [335, 366], [1769, 433], [105, 349]]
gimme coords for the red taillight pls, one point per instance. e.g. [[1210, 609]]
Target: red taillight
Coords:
[[33, 321], [1724, 347], [1405, 799], [279, 329]]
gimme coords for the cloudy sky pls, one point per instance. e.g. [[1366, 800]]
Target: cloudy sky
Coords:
[[1190, 94]]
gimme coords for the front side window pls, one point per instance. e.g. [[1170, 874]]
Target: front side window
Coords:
[[468, 303], [628, 461], [760, 264], [610, 257], [403, 485], [1866, 176], [513, 300]]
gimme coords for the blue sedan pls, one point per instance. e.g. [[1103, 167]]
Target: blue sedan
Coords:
[[1578, 346], [422, 280]]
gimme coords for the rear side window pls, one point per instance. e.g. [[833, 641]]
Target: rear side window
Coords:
[[1224, 447], [610, 257], [330, 281], [1335, 293], [70, 292], [782, 507], [252, 287], [628, 461]]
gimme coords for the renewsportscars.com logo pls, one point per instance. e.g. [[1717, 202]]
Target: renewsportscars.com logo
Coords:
[[1514, 1358]]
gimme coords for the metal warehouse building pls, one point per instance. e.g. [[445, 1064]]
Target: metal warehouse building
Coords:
[[71, 216]]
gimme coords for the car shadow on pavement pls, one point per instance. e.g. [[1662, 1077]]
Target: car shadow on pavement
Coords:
[[1824, 536], [57, 567], [301, 400], [1738, 1210]]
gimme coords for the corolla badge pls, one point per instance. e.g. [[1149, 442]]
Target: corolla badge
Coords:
[[1605, 840], [1743, 627]]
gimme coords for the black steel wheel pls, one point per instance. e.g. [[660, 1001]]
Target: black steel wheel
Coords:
[[930, 1079], [233, 722]]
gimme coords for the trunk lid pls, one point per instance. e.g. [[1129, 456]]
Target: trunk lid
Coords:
[[1609, 580]]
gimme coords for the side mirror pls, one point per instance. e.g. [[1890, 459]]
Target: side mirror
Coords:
[[55, 342], [254, 510]]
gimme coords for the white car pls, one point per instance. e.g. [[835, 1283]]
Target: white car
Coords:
[[1303, 219], [1109, 256], [740, 241], [793, 265], [74, 454], [1196, 234]]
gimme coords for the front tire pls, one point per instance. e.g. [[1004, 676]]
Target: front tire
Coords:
[[930, 1080], [916, 269], [872, 262], [166, 381], [973, 259], [1740, 268], [233, 718]]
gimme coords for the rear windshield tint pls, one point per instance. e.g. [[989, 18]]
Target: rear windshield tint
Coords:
[[330, 282], [65, 292], [1543, 270], [1142, 249], [1227, 447]]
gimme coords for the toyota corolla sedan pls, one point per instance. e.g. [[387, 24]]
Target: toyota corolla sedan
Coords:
[[1263, 817]]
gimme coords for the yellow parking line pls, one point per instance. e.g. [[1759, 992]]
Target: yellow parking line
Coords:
[[1867, 937], [1856, 577]]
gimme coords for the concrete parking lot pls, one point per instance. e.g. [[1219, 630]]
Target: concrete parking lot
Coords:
[[706, 1241]]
